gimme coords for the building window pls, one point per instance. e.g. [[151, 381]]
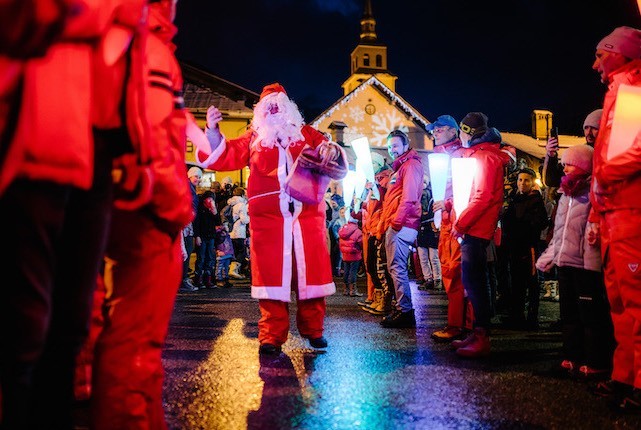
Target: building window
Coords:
[[366, 60], [379, 61]]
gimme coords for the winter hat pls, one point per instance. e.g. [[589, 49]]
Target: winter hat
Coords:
[[272, 88], [194, 171], [227, 180], [443, 121], [474, 124], [593, 119], [623, 40], [579, 156], [378, 162]]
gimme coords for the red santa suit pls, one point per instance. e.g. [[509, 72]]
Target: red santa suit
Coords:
[[288, 243]]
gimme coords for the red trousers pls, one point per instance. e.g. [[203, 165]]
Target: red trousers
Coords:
[[459, 309], [620, 240], [142, 274], [273, 325]]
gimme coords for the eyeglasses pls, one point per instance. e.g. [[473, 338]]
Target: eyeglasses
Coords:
[[440, 129]]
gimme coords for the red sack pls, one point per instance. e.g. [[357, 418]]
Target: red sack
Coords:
[[306, 185], [311, 174]]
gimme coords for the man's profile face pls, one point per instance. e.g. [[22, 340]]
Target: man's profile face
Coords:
[[607, 62], [396, 147], [590, 134], [443, 134]]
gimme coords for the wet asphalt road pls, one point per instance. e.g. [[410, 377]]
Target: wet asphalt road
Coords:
[[369, 377]]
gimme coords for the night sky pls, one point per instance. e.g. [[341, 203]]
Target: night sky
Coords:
[[504, 58]]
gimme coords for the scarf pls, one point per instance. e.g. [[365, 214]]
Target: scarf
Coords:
[[572, 185]]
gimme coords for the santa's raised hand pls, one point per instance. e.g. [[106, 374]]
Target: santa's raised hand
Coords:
[[214, 116]]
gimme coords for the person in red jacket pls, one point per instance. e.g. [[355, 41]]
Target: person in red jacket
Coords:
[[615, 218], [445, 131], [477, 224], [56, 200], [143, 263], [400, 219], [288, 246], [350, 242]]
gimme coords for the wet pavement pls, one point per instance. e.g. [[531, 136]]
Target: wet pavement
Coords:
[[369, 377]]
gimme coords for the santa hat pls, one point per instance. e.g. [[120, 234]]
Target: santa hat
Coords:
[[272, 88], [194, 171], [623, 40], [579, 156], [593, 119]]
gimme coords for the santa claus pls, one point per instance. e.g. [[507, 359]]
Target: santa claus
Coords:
[[288, 247]]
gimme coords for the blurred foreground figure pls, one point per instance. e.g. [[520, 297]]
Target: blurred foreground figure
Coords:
[[143, 263], [61, 129], [616, 215], [288, 248]]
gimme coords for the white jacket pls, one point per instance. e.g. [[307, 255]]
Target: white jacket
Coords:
[[568, 246], [241, 217]]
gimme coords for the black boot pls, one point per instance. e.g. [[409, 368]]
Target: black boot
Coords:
[[400, 320]]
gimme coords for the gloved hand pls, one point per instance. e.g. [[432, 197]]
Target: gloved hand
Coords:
[[328, 151], [214, 116]]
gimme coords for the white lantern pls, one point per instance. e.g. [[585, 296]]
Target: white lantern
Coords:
[[364, 164], [463, 171], [438, 165]]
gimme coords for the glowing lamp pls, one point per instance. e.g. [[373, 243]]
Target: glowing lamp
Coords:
[[438, 165], [463, 171], [352, 182], [364, 164], [626, 122]]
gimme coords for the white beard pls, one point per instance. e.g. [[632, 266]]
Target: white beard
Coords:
[[283, 128]]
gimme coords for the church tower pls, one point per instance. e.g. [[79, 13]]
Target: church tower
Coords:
[[369, 58]]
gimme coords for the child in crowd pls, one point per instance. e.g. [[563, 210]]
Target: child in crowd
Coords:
[[350, 242], [224, 255], [588, 339]]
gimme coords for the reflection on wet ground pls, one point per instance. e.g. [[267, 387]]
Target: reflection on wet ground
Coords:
[[369, 377]]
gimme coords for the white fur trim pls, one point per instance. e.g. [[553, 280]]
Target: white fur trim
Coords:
[[215, 155]]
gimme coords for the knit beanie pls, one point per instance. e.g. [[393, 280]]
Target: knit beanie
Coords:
[[194, 171], [474, 124], [593, 119], [623, 40], [378, 162], [579, 156]]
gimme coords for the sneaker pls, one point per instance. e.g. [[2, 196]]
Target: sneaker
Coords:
[[568, 365], [631, 402], [588, 372], [400, 320], [188, 286], [447, 334], [613, 391], [365, 303], [269, 349], [318, 342]]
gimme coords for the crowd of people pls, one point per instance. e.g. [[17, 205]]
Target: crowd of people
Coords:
[[94, 218]]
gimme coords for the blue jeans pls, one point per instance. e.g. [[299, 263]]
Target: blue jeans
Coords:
[[397, 248], [351, 271], [222, 267], [474, 268], [206, 258]]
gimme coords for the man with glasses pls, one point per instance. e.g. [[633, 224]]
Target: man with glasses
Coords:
[[399, 224], [445, 131]]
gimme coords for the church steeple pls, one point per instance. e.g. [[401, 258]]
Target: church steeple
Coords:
[[369, 58], [368, 24]]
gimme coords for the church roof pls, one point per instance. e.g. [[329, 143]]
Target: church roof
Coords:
[[394, 98]]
